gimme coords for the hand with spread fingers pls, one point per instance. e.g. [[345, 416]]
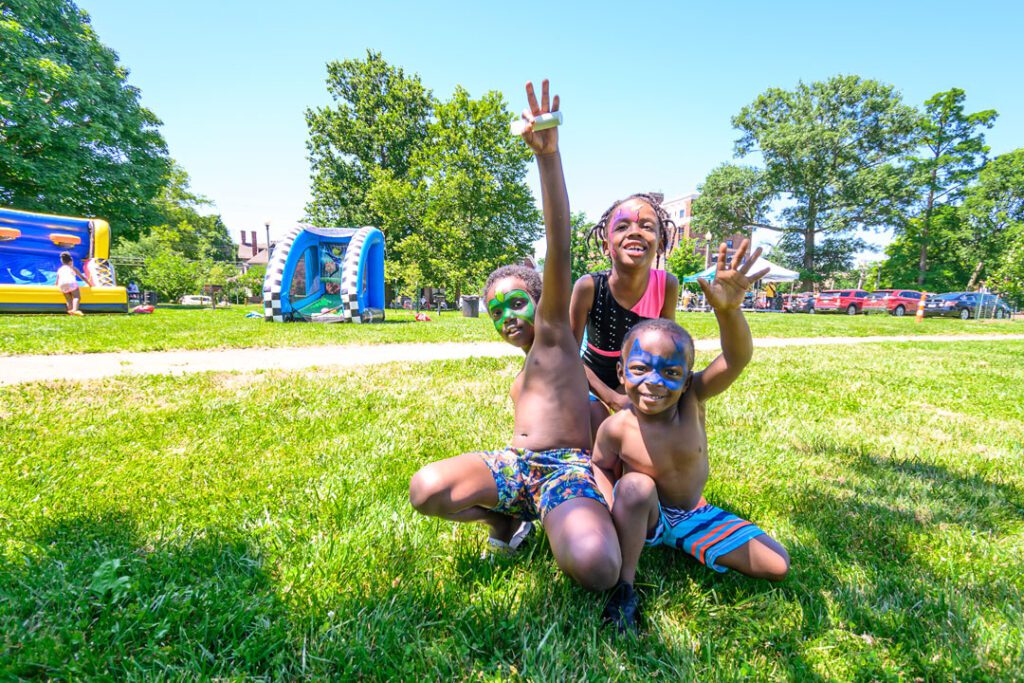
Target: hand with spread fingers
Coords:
[[542, 142], [725, 292]]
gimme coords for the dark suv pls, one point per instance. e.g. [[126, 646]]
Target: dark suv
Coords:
[[798, 303], [849, 301], [966, 305]]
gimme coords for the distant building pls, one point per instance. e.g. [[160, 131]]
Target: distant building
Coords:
[[680, 210], [252, 252]]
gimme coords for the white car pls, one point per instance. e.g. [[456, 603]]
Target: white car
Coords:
[[195, 300]]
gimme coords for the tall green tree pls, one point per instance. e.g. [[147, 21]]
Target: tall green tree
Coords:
[[464, 207], [74, 138], [379, 119], [994, 212], [831, 152], [951, 264], [954, 153]]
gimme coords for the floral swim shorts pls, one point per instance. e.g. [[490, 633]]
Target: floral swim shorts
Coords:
[[533, 483]]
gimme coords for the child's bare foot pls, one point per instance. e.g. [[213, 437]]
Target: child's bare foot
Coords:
[[623, 608]]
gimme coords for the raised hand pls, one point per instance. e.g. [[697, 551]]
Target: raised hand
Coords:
[[725, 293], [543, 141]]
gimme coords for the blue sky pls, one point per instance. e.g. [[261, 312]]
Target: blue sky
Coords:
[[648, 89]]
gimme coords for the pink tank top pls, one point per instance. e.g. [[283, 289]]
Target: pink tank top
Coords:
[[651, 302]]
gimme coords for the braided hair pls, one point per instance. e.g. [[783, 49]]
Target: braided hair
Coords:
[[667, 229]]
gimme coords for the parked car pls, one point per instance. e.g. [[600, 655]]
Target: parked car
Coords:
[[195, 300], [849, 301], [803, 302], [897, 302], [966, 305]]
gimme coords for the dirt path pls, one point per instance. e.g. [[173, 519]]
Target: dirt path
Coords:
[[20, 369]]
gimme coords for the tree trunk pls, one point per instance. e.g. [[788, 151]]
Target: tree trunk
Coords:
[[922, 262], [812, 217], [974, 275]]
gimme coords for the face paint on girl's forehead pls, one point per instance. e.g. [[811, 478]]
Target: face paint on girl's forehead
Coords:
[[502, 302], [658, 365], [621, 213]]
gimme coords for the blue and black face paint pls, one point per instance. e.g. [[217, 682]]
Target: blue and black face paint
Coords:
[[658, 367]]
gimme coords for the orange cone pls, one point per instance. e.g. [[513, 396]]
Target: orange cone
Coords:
[[920, 308]]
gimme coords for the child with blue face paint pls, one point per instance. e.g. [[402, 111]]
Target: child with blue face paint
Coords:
[[545, 472], [652, 459]]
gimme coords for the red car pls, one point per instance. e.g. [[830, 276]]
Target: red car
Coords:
[[849, 301], [894, 301]]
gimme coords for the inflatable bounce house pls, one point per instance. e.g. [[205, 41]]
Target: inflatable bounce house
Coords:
[[326, 275], [30, 248]]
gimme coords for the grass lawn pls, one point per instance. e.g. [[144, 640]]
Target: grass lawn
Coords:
[[257, 526], [229, 328]]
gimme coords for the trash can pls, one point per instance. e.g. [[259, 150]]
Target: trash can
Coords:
[[149, 298], [470, 307]]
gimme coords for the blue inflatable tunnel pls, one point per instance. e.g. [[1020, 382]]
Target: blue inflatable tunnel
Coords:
[[326, 275]]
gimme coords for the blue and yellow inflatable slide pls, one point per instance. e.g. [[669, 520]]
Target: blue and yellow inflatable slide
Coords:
[[30, 248]]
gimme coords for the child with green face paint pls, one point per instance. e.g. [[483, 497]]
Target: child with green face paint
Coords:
[[545, 473], [652, 458]]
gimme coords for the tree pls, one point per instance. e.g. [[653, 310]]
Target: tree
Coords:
[[74, 138], [732, 198], [950, 266], [380, 119], [1008, 276], [994, 212], [585, 257], [685, 259], [464, 208], [171, 275], [955, 153], [181, 225], [829, 150]]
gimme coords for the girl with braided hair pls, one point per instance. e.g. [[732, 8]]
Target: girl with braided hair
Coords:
[[606, 304]]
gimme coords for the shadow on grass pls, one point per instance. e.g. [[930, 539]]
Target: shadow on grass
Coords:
[[873, 570], [89, 598]]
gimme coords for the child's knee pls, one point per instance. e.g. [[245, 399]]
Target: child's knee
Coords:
[[424, 489], [771, 561], [594, 561], [777, 567], [635, 491]]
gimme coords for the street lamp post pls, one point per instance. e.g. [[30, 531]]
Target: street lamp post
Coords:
[[266, 224], [707, 249]]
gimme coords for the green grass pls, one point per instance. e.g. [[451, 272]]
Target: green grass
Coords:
[[229, 328], [257, 526]]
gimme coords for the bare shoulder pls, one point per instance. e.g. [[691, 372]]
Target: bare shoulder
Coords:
[[618, 423], [584, 286]]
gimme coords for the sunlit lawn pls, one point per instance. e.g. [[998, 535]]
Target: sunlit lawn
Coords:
[[229, 328], [257, 526]]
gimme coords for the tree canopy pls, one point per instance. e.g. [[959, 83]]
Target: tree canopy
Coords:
[[464, 208], [954, 153], [74, 138], [380, 117], [828, 149], [444, 180]]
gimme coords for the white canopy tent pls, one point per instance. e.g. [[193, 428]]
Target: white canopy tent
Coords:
[[776, 273]]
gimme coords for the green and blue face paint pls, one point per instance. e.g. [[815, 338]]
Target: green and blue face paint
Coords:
[[512, 304], [658, 366]]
